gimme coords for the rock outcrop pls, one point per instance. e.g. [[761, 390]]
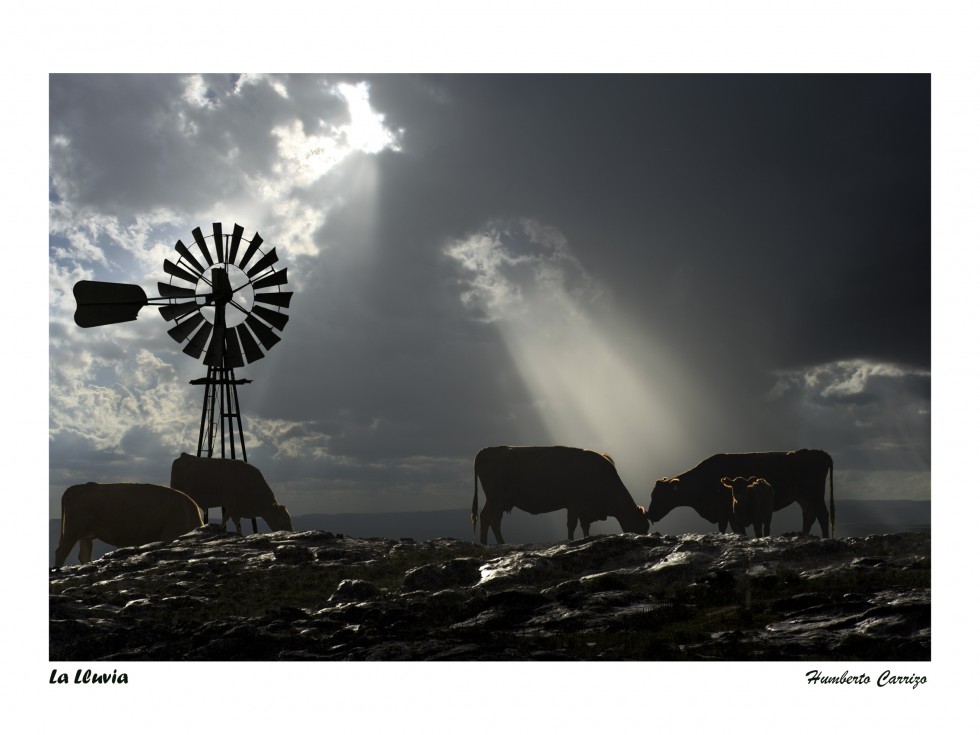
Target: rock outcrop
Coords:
[[315, 595]]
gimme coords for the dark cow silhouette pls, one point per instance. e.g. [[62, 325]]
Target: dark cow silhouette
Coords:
[[237, 487], [122, 514], [798, 476], [752, 500], [546, 479]]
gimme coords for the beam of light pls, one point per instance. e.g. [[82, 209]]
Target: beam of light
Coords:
[[596, 381]]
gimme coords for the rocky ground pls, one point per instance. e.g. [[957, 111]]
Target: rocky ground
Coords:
[[317, 595]]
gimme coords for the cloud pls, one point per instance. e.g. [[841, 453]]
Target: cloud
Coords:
[[871, 415], [851, 381], [513, 268]]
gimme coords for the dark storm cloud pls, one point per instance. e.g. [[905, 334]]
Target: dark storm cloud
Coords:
[[143, 142], [785, 214], [760, 222]]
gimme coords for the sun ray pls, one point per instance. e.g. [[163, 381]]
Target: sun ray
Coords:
[[595, 381]]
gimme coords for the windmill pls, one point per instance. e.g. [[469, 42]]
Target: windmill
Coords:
[[226, 302]]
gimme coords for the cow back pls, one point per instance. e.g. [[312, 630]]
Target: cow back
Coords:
[[129, 514], [546, 479], [227, 483], [789, 473]]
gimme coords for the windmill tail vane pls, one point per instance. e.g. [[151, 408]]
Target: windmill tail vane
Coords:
[[101, 302]]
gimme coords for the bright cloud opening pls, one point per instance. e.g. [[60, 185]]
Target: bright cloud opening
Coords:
[[306, 158], [366, 132]]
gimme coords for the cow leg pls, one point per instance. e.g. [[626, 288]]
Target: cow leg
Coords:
[[490, 518], [757, 526], [585, 528], [237, 521], [495, 525], [767, 524], [85, 550], [571, 522], [808, 518], [62, 550], [823, 517]]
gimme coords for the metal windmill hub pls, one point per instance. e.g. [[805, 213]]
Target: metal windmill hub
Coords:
[[230, 288]]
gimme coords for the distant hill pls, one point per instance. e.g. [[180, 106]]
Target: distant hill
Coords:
[[854, 518], [866, 517]]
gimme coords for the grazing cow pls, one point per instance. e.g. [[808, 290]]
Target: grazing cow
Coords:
[[236, 486], [545, 479], [752, 500], [798, 476], [123, 514]]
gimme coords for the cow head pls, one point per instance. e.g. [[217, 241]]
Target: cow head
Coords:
[[635, 521], [738, 490], [662, 498], [278, 518]]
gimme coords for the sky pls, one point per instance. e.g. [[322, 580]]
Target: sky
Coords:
[[661, 267]]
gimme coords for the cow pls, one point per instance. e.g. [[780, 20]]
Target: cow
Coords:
[[752, 500], [798, 476], [122, 514], [236, 486], [546, 479]]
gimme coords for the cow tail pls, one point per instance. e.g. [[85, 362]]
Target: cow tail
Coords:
[[476, 498], [62, 518], [833, 511]]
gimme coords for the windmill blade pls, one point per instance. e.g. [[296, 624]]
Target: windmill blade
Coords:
[[101, 302], [183, 329], [186, 255], [219, 241], [250, 347], [250, 250], [275, 318], [169, 291], [199, 239], [199, 341], [236, 239], [177, 272], [266, 336], [279, 298], [273, 279], [172, 311], [264, 262], [233, 350]]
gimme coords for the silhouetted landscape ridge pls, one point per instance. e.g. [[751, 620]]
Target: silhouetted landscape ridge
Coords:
[[325, 595]]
